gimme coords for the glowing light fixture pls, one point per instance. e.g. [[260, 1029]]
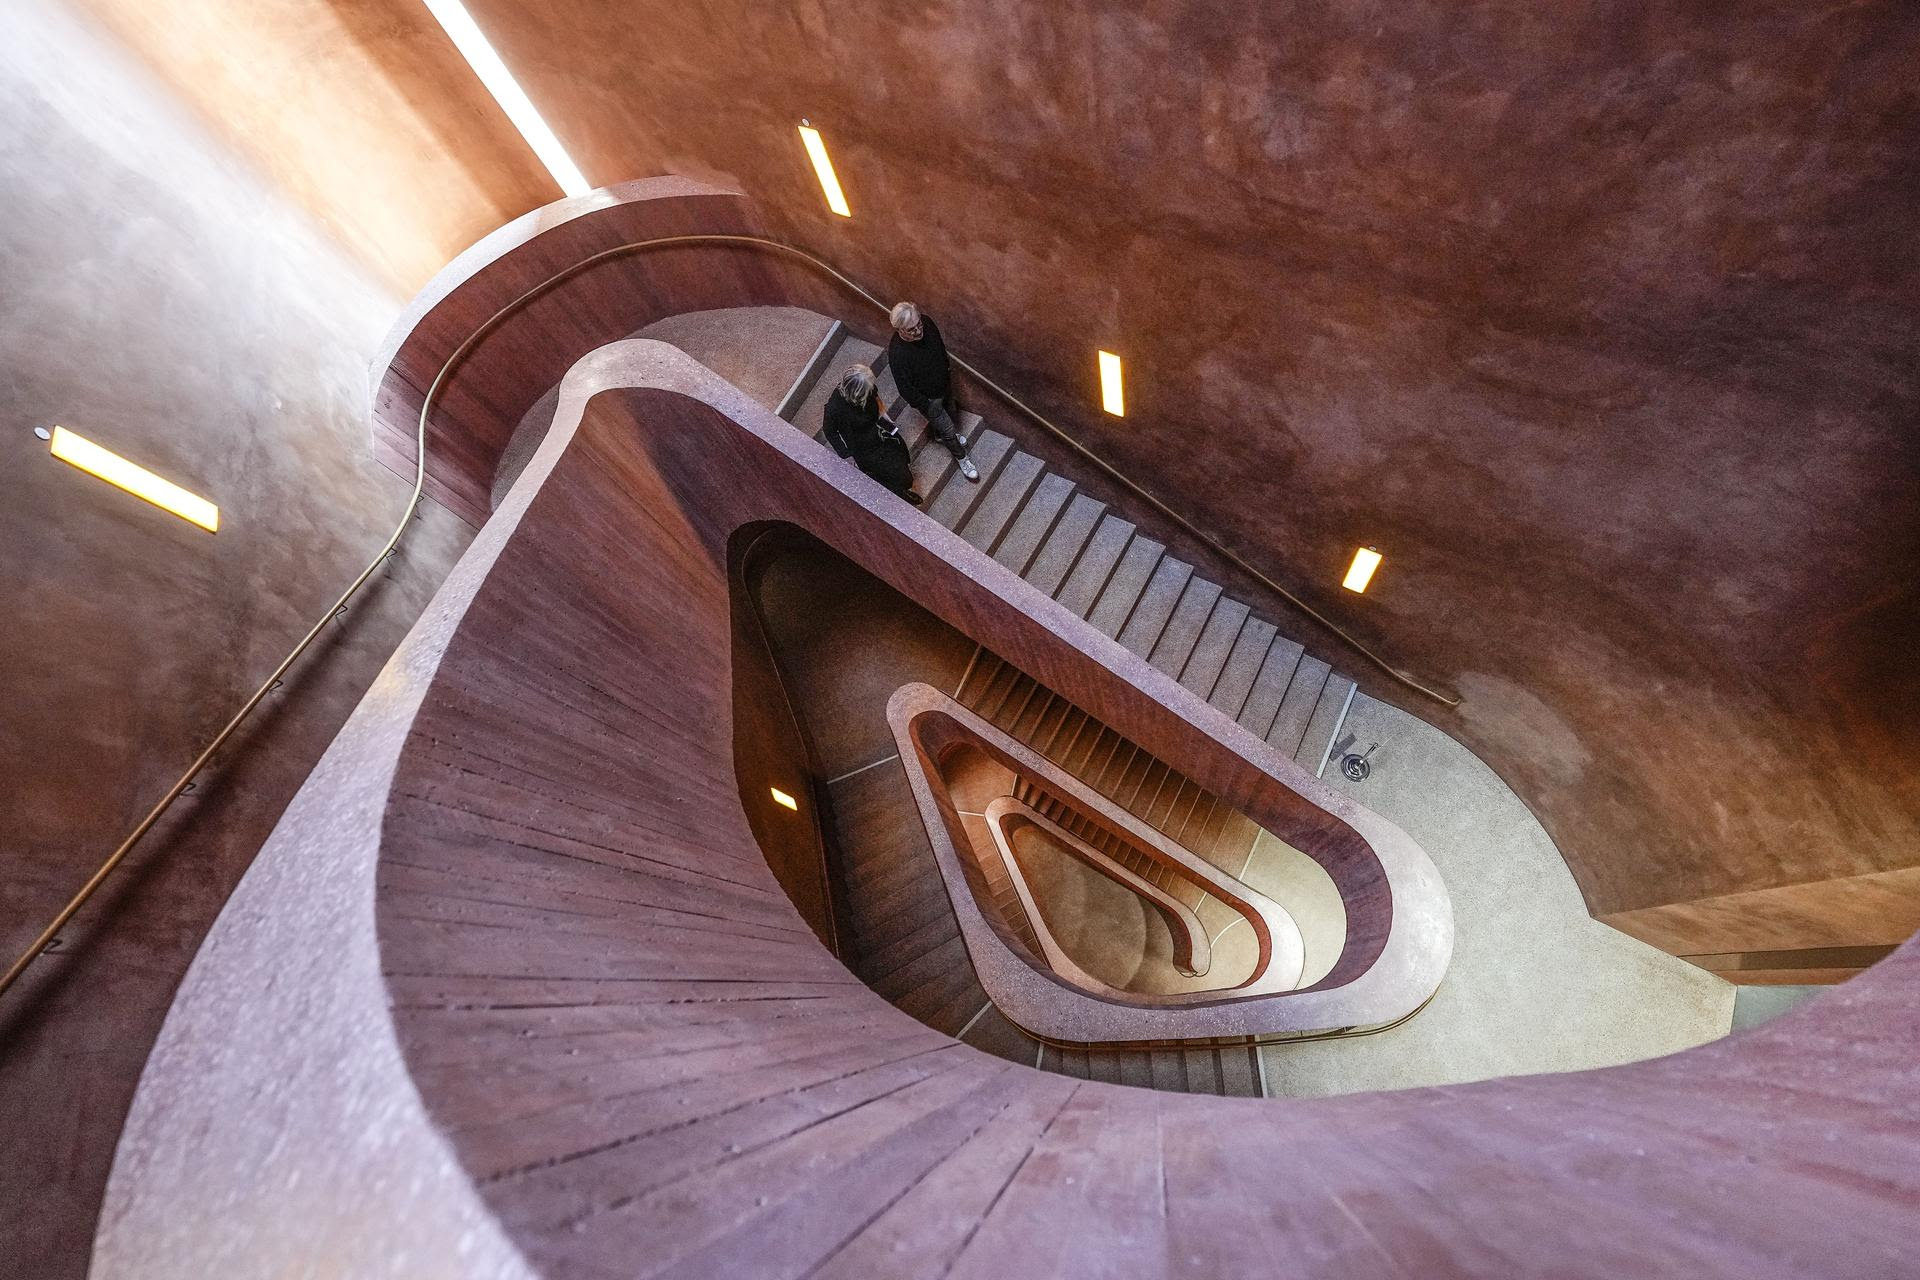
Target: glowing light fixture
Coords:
[[823, 167], [782, 798], [1112, 399], [1360, 572], [506, 91], [136, 480]]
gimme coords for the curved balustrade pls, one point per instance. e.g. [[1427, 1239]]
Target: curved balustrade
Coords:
[[1007, 815], [933, 729], [642, 1061]]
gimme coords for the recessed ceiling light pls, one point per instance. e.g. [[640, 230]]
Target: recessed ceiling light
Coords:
[[823, 168], [1112, 398], [135, 479], [479, 53], [782, 798], [1360, 572]]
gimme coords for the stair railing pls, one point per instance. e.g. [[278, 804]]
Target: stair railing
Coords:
[[41, 944]]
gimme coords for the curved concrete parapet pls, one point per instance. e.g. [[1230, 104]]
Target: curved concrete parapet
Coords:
[[637, 1059]]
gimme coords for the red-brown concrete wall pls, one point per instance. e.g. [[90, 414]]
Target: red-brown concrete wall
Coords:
[[1599, 322], [163, 300]]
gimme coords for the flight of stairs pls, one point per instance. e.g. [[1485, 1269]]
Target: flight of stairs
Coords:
[[1096, 563], [1149, 789], [904, 940]]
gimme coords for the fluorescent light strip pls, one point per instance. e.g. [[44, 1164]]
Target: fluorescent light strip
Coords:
[[783, 799], [506, 91], [1360, 572], [136, 480], [1112, 399], [823, 169]]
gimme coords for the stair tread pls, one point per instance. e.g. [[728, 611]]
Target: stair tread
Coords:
[[1216, 642], [932, 464], [1096, 564], [1003, 501], [957, 500], [1130, 578], [992, 1033], [1239, 1073], [1276, 673], [1156, 605], [810, 376], [1296, 708], [1062, 548], [1175, 645], [1203, 1071], [1242, 667], [1034, 523], [1324, 723]]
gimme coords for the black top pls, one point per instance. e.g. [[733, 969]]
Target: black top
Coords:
[[855, 432], [920, 368]]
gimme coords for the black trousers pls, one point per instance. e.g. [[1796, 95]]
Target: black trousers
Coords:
[[941, 415]]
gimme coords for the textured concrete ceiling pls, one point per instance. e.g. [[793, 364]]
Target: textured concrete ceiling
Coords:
[[1601, 320]]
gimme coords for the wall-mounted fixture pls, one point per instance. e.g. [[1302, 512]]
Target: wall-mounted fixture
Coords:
[[1357, 766], [1360, 572], [135, 479], [1112, 396], [823, 169], [784, 800], [479, 53]]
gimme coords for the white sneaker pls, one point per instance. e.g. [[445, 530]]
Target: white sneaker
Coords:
[[970, 471]]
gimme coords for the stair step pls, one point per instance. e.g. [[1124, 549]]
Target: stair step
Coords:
[[1203, 1071], [1034, 523], [816, 368], [1129, 580], [1296, 709], [1243, 667], [1211, 650], [1276, 673], [1096, 564], [1003, 502], [956, 1012], [1239, 1072], [992, 1033], [1175, 646], [1164, 589], [1328, 714], [957, 500], [933, 465], [1063, 546]]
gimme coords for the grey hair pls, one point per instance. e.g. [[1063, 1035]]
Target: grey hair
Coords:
[[904, 316], [858, 384]]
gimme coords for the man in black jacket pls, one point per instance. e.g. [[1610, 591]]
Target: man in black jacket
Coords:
[[919, 361]]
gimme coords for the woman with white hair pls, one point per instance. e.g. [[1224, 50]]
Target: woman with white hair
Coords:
[[858, 428], [919, 361]]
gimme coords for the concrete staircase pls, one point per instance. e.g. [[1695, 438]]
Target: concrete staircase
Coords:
[[904, 940], [1097, 563]]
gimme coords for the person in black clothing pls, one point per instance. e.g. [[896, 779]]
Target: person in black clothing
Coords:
[[858, 428], [919, 361]]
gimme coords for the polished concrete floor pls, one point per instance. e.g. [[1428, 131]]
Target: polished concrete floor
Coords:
[[1536, 983]]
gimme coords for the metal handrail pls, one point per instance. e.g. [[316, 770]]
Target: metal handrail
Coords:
[[460, 353]]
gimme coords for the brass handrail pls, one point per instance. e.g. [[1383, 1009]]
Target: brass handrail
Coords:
[[492, 322]]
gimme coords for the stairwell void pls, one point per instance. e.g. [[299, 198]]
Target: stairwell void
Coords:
[[521, 949]]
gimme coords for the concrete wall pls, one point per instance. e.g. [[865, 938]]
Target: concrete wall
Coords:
[[163, 299], [1600, 323], [1601, 327]]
